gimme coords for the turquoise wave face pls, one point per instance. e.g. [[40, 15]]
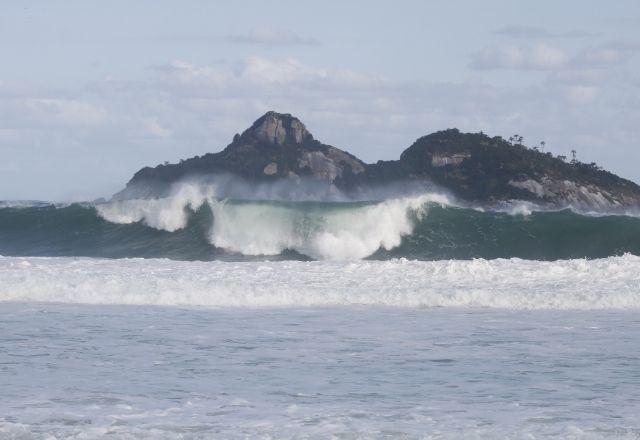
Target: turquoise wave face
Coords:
[[238, 231], [454, 233]]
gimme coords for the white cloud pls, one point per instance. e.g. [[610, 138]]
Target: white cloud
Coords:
[[607, 55], [600, 57], [259, 71], [104, 132], [581, 94], [49, 111], [543, 56], [154, 128], [182, 71], [540, 56]]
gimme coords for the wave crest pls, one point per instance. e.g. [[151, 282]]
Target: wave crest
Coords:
[[333, 231], [169, 214], [320, 232]]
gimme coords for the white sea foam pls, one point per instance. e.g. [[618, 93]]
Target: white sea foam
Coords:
[[168, 213], [334, 232], [610, 283], [326, 233], [96, 372]]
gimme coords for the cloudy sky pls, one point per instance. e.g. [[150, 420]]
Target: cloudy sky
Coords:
[[92, 91]]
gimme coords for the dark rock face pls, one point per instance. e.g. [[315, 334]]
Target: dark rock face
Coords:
[[479, 168], [277, 146], [472, 166]]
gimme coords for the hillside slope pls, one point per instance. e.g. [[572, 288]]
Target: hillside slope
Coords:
[[473, 166]]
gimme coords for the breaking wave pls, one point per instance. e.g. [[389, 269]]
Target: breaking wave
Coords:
[[319, 230], [194, 224]]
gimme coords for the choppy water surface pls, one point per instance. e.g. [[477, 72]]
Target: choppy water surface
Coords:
[[96, 371]]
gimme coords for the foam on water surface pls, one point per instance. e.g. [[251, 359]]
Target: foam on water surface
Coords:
[[71, 371], [609, 283], [335, 231]]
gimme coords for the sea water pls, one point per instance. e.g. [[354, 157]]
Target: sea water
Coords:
[[200, 317], [147, 348], [193, 225]]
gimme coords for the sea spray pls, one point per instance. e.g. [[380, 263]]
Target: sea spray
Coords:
[[169, 213], [338, 231], [319, 230]]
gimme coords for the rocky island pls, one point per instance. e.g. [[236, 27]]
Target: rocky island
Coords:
[[473, 167]]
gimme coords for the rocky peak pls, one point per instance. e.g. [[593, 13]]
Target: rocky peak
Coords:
[[278, 129], [473, 166]]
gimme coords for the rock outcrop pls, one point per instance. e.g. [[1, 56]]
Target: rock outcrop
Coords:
[[489, 170], [473, 166], [277, 146]]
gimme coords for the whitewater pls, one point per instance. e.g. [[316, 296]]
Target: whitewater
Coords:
[[262, 227], [96, 348], [196, 316], [611, 283], [195, 223]]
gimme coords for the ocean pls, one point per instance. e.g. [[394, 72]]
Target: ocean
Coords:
[[195, 317]]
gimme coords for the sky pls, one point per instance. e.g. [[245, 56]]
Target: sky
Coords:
[[92, 91]]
